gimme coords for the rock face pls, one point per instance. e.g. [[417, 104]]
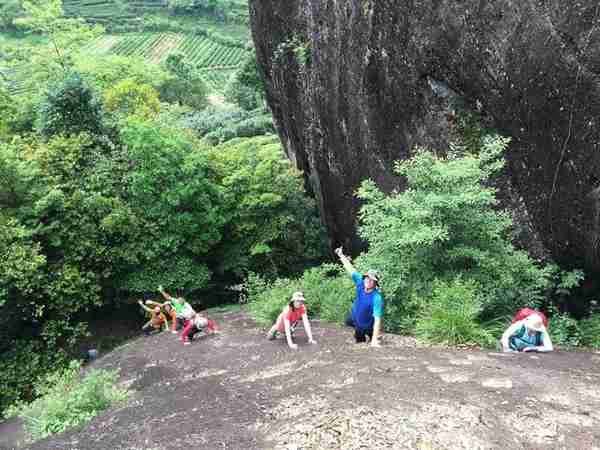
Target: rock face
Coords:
[[350, 86]]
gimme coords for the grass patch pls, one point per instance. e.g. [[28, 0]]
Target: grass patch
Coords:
[[67, 399]]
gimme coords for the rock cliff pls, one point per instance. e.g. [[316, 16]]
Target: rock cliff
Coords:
[[351, 84]]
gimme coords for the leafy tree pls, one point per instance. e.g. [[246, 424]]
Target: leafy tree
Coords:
[[71, 107], [10, 10], [131, 98], [185, 86], [446, 224], [172, 191], [105, 71], [246, 88], [66, 36], [9, 115], [272, 227]]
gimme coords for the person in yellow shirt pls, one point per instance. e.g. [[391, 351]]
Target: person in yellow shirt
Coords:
[[157, 319]]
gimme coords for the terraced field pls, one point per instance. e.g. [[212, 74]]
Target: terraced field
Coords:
[[216, 61]]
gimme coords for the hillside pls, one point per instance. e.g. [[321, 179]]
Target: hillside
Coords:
[[238, 391], [216, 45]]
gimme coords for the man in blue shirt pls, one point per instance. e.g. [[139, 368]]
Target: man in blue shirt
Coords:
[[367, 309]]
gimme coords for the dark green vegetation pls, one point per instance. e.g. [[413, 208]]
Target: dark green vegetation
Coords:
[[450, 272], [115, 178]]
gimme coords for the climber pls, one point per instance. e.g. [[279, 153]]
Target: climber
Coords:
[[288, 319], [367, 310], [527, 335], [157, 319], [183, 310], [197, 324]]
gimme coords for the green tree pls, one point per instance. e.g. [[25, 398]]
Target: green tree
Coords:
[[128, 97], [184, 86], [71, 107], [105, 71], [10, 10], [446, 224], [272, 227], [66, 36], [172, 190], [246, 88]]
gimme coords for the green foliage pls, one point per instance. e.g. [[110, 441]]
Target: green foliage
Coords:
[[221, 10], [590, 331], [105, 71], [564, 331], [67, 399], [22, 365], [246, 88], [71, 107], [445, 224], [272, 227], [328, 292], [9, 115], [10, 10], [173, 194], [185, 86], [217, 126], [450, 317], [66, 36], [296, 47], [128, 97]]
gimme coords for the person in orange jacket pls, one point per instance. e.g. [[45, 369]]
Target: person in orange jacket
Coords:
[[168, 310], [157, 319]]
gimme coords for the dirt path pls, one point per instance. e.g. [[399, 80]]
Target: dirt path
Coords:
[[238, 391]]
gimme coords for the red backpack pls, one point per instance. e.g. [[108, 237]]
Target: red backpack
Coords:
[[526, 312]]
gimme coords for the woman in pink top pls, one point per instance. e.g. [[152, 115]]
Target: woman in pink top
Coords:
[[288, 319]]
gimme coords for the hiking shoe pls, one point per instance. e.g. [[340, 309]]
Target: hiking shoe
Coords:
[[272, 335]]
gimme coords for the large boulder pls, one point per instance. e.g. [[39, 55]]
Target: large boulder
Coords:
[[350, 86]]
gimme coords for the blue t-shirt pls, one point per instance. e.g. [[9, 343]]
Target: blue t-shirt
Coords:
[[522, 339], [366, 306]]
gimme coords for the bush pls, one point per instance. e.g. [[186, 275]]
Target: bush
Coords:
[[22, 365], [590, 331], [450, 317], [328, 292], [71, 107], [246, 88], [128, 97], [564, 331], [105, 71], [66, 399], [272, 227], [443, 225]]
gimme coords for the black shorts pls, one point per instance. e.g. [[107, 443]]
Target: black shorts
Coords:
[[360, 335]]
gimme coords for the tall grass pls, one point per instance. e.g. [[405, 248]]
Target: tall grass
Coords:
[[450, 317]]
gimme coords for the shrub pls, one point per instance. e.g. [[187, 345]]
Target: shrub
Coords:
[[128, 97], [328, 293], [246, 88], [272, 227], [443, 225], [564, 331], [590, 331], [21, 365], [450, 316], [66, 399], [184, 86], [71, 107]]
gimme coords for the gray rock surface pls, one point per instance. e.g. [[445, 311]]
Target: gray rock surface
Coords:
[[356, 84]]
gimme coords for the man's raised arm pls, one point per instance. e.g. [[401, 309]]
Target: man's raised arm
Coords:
[[345, 261]]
